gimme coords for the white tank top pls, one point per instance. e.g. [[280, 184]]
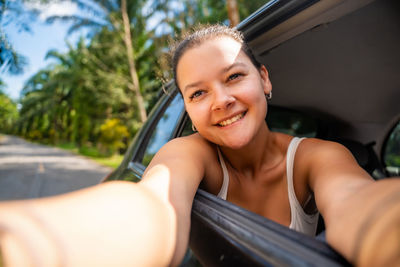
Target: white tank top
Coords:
[[300, 221]]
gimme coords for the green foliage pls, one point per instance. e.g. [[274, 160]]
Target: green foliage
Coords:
[[8, 113], [113, 161], [179, 17], [112, 132], [13, 12], [392, 148], [85, 99]]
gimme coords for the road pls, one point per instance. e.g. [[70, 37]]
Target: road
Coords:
[[30, 170]]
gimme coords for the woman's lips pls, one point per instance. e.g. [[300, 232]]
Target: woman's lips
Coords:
[[231, 120]]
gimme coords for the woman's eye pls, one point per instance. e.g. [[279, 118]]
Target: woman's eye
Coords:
[[234, 76], [196, 94]]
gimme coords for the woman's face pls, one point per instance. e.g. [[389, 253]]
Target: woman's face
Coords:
[[224, 93]]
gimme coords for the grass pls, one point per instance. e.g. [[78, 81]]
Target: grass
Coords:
[[112, 161], [69, 147]]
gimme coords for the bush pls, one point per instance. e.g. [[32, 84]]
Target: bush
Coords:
[[112, 134]]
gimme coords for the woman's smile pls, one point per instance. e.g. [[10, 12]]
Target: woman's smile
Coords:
[[227, 93], [231, 120]]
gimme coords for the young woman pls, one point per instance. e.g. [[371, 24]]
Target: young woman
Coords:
[[233, 155]]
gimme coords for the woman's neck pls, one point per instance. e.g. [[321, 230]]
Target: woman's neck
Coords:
[[263, 152]]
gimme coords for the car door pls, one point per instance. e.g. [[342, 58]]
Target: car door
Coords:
[[236, 236]]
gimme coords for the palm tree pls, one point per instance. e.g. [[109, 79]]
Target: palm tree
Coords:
[[117, 15], [10, 60], [233, 12]]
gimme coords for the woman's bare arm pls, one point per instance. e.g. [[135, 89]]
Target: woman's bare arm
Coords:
[[174, 175], [113, 224], [362, 216]]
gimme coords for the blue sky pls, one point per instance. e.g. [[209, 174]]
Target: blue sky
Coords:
[[35, 45], [43, 38]]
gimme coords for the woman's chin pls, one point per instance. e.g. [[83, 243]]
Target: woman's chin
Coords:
[[236, 144]]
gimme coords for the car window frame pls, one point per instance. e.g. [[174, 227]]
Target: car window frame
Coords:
[[135, 152], [250, 239], [394, 124], [172, 97]]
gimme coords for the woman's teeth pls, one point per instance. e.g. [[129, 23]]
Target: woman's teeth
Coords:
[[231, 120]]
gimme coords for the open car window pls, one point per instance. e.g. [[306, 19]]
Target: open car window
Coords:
[[164, 130], [391, 152]]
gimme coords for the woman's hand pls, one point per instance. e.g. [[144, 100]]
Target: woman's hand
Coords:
[[362, 217], [112, 224], [366, 229]]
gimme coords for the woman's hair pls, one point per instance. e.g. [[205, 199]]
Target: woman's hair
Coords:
[[202, 33]]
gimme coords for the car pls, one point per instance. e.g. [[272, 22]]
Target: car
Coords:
[[334, 68]]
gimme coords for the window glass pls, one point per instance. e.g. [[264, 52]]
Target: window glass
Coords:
[[187, 129], [391, 154], [164, 129], [291, 122]]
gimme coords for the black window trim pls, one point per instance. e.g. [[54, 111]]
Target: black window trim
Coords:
[[164, 103], [261, 242], [382, 151], [271, 14]]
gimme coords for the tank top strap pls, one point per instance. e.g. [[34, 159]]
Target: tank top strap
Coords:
[[225, 183], [291, 152], [300, 221]]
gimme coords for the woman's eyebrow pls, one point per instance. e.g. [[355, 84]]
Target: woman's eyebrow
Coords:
[[232, 66], [195, 84], [224, 70]]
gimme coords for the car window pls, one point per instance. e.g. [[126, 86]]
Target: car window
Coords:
[[391, 152], [291, 122], [164, 129], [187, 128]]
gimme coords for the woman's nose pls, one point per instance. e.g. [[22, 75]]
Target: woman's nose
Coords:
[[222, 98]]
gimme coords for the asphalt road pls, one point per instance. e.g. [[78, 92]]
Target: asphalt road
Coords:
[[30, 170]]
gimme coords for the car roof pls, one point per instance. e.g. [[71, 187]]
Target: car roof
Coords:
[[337, 59]]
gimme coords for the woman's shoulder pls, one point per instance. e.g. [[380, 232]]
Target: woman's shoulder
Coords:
[[192, 147], [315, 151], [194, 143], [205, 154], [308, 142], [317, 147], [327, 160]]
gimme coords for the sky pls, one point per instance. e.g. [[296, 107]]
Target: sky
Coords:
[[45, 37], [35, 45]]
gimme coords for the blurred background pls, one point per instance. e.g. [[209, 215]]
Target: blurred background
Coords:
[[83, 75]]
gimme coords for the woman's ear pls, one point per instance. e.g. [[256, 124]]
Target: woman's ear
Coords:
[[265, 82]]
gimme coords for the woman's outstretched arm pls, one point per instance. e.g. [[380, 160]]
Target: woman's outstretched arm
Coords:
[[362, 216], [116, 223], [112, 224]]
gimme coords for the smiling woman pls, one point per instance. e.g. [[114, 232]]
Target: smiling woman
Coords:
[[235, 156], [208, 87]]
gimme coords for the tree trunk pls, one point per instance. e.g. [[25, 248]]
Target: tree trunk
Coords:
[[233, 12], [131, 61]]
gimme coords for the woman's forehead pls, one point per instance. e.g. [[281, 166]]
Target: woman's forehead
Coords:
[[212, 55], [222, 46]]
